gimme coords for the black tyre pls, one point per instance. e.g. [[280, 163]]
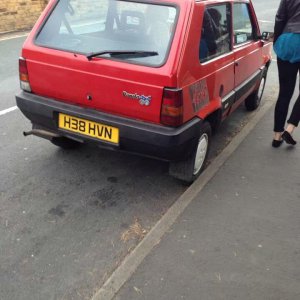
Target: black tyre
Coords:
[[253, 101], [65, 143], [189, 169]]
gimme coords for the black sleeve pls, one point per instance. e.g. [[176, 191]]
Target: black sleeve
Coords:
[[280, 20]]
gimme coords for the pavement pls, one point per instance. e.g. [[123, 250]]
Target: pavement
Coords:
[[238, 237]]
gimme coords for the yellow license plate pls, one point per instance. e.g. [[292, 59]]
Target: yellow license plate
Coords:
[[89, 128]]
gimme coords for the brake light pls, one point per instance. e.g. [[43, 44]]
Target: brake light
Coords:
[[23, 74], [172, 107]]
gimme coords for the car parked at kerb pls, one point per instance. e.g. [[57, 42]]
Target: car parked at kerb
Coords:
[[149, 77]]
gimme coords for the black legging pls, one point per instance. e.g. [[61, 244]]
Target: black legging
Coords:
[[287, 80]]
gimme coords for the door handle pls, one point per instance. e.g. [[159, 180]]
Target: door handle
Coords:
[[236, 64]]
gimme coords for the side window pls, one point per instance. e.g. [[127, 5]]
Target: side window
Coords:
[[242, 25], [216, 32]]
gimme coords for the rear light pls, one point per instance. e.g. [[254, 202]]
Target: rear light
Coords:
[[172, 107], [23, 74]]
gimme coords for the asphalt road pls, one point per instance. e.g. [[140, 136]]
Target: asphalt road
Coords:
[[66, 217]]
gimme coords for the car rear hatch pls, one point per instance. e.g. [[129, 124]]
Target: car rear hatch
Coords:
[[111, 57]]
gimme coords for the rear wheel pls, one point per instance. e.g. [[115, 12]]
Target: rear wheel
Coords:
[[65, 143], [253, 100], [189, 169]]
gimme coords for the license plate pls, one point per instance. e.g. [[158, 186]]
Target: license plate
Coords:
[[89, 128]]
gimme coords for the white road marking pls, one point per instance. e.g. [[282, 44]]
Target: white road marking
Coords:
[[264, 21], [10, 37], [6, 111]]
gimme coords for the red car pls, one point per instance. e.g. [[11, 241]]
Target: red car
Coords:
[[152, 78]]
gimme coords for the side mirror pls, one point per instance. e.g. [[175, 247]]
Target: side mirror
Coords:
[[267, 36]]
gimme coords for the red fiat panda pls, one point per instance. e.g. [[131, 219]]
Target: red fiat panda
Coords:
[[149, 77]]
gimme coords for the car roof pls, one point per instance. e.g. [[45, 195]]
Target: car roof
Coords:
[[222, 0], [214, 1]]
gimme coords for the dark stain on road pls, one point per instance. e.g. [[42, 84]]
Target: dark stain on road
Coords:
[[112, 179], [58, 211], [105, 197]]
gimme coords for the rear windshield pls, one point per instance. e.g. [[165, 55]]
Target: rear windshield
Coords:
[[141, 32]]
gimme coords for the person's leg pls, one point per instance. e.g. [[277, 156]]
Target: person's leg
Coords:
[[294, 119], [290, 128], [292, 123], [287, 80]]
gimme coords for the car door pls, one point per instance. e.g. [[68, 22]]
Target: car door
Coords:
[[216, 56], [247, 50]]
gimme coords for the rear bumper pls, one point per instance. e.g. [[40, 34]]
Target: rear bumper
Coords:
[[142, 138]]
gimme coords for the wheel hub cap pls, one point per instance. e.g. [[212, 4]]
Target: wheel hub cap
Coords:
[[201, 153]]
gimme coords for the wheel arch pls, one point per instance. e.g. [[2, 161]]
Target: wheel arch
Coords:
[[214, 119]]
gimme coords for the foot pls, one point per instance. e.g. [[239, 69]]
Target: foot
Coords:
[[276, 143], [287, 137], [277, 140]]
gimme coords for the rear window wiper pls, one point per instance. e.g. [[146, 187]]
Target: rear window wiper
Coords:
[[131, 53]]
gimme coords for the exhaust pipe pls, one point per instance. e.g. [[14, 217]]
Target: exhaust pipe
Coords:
[[42, 133]]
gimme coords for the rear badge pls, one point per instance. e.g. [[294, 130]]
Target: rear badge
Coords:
[[143, 100]]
